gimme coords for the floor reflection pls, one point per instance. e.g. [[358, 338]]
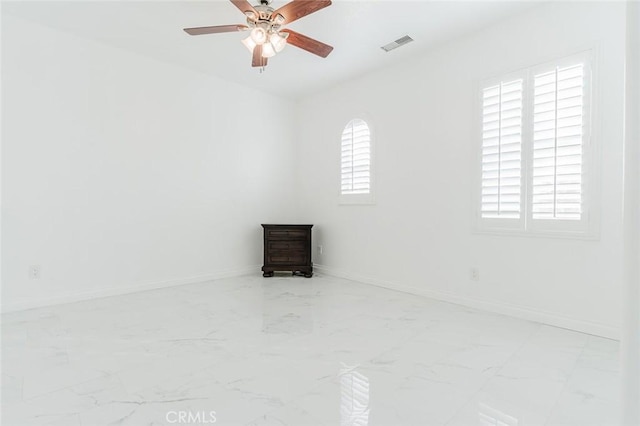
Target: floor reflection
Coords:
[[489, 416], [354, 397]]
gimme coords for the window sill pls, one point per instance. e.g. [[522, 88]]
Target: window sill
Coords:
[[566, 235], [356, 200]]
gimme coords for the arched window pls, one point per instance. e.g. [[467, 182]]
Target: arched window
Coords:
[[356, 158]]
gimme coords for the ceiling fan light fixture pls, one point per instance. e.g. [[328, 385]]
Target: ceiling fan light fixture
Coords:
[[258, 35], [268, 51], [249, 43], [277, 41]]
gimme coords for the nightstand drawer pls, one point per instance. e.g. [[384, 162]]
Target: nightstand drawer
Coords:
[[287, 234], [298, 245], [287, 259]]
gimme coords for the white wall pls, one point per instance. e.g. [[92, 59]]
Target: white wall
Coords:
[[120, 172], [418, 237], [630, 342]]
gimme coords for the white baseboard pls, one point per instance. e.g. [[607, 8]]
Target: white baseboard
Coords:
[[126, 289], [523, 312]]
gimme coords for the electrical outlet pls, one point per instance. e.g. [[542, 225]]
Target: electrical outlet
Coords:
[[34, 272], [474, 274], [320, 249]]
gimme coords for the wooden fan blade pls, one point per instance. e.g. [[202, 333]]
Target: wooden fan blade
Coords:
[[216, 29], [244, 6], [307, 43], [258, 60], [300, 8]]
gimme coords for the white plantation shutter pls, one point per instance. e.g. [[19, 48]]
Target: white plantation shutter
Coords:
[[501, 150], [537, 167], [558, 130], [356, 158]]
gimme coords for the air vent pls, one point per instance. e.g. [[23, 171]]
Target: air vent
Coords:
[[395, 44]]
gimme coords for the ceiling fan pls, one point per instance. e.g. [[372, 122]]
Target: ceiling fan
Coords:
[[266, 37]]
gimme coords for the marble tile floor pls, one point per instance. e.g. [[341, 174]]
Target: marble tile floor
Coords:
[[294, 351]]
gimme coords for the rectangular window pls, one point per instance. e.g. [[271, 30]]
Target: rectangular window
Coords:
[[535, 150], [501, 150]]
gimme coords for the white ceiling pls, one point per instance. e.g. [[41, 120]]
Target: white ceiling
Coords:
[[356, 29]]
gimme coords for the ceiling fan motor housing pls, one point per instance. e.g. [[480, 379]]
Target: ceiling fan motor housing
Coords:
[[264, 11], [265, 18]]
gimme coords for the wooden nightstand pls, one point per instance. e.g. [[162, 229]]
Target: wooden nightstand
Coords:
[[287, 248]]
